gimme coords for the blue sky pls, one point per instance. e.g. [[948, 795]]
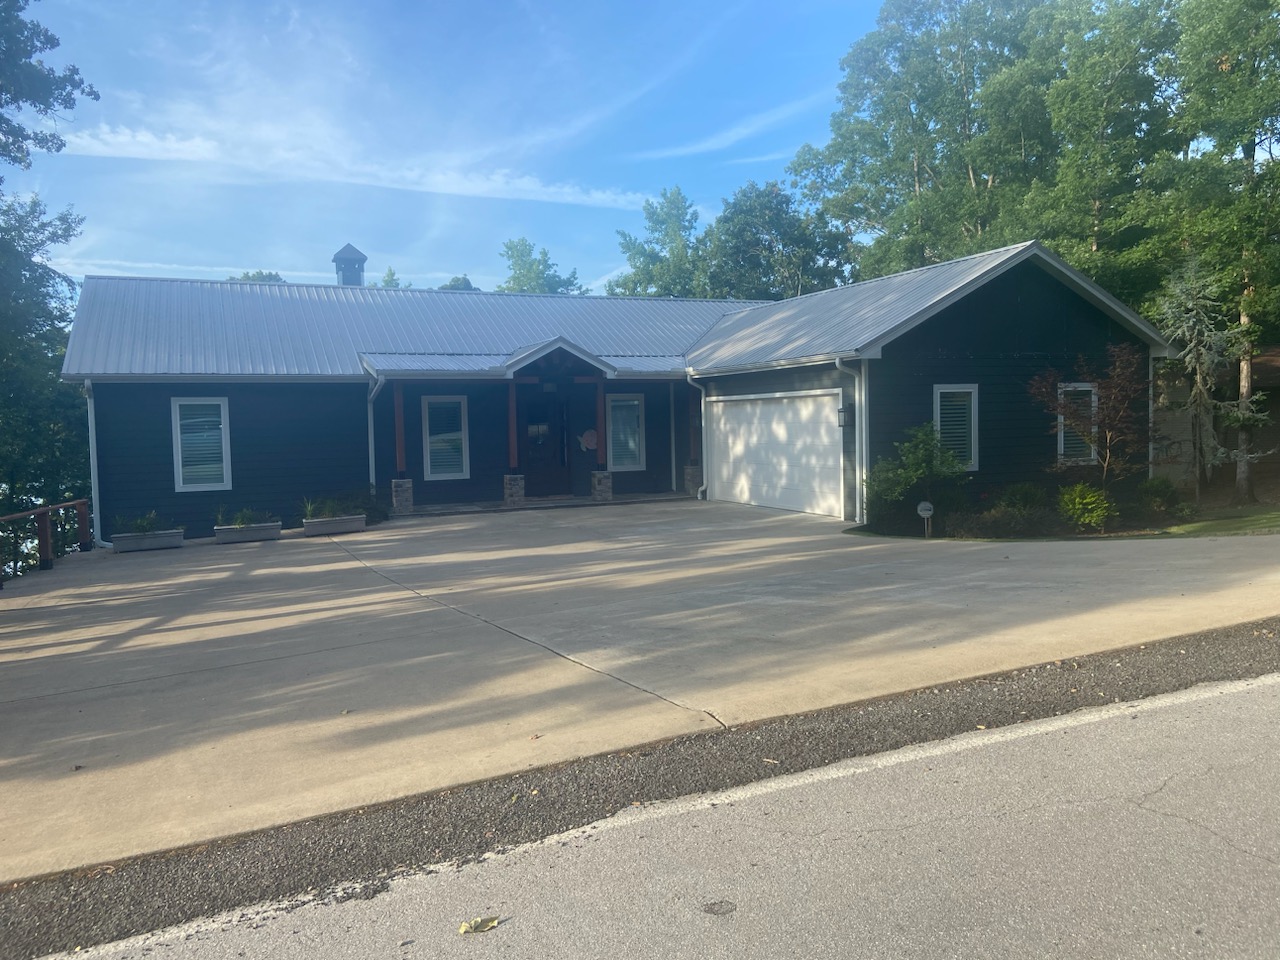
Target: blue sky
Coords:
[[259, 135]]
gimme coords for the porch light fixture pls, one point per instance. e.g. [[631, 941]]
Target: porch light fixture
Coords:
[[840, 416]]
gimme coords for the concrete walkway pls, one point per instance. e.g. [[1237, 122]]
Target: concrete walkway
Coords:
[[153, 700]]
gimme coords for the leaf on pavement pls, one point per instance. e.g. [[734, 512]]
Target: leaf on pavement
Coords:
[[478, 925]]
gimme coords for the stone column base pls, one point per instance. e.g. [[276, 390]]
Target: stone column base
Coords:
[[692, 480], [601, 485], [513, 490], [401, 497]]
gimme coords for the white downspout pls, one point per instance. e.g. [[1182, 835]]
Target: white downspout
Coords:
[[706, 471], [857, 447], [93, 469]]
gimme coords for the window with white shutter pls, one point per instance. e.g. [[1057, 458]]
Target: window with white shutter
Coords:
[[444, 438], [1081, 399], [201, 444], [624, 424], [955, 417]]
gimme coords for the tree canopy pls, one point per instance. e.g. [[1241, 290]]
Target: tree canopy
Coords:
[[43, 433], [259, 276], [535, 273]]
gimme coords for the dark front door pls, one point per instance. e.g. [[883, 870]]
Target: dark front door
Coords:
[[543, 438]]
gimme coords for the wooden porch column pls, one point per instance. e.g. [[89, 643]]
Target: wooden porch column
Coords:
[[601, 457], [513, 447], [400, 461]]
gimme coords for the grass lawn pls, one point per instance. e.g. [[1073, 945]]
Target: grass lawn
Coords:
[[1230, 521]]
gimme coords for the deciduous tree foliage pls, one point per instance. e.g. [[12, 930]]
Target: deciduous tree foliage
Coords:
[[259, 276], [663, 263], [535, 273], [43, 434]]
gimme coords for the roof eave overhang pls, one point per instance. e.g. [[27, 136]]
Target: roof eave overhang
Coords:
[[726, 371], [216, 377]]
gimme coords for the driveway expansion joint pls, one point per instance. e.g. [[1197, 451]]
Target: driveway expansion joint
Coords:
[[519, 636]]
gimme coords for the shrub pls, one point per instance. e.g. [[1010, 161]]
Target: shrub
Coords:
[[1005, 521], [1158, 496], [1024, 496], [1085, 507], [923, 470]]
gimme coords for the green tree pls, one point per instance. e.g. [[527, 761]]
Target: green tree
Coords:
[[1227, 69], [458, 283], [43, 431], [390, 281], [43, 439], [664, 263], [28, 83], [1190, 313], [260, 276], [917, 161], [535, 273], [762, 248]]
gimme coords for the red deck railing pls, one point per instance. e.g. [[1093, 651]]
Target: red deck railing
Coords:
[[44, 531]]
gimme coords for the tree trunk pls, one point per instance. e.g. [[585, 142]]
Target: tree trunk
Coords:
[[1244, 439]]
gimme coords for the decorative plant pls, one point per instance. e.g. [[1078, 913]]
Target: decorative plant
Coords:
[[146, 523], [1086, 507], [923, 470]]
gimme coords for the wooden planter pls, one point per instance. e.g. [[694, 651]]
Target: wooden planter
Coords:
[[154, 540], [247, 532], [326, 526]]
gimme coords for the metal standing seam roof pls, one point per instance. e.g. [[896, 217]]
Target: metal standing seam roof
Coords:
[[859, 319], [146, 328]]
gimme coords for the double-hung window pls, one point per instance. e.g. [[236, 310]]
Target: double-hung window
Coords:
[[1078, 411], [444, 438], [201, 444], [624, 423], [955, 417]]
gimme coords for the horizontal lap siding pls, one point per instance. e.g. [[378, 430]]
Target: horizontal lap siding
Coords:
[[486, 438], [656, 475], [288, 442], [1000, 337]]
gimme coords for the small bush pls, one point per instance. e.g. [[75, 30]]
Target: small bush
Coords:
[[1005, 521], [1024, 496], [1085, 507]]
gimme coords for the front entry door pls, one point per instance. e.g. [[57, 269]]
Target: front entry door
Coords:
[[543, 437]]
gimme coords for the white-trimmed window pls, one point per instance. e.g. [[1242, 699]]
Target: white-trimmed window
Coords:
[[1082, 400], [446, 449], [201, 444], [955, 417], [624, 423]]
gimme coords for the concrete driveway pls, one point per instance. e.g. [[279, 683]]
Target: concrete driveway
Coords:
[[153, 700]]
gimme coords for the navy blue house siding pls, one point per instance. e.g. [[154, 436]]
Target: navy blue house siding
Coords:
[[288, 442], [999, 337]]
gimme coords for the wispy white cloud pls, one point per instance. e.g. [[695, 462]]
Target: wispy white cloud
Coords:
[[743, 130], [765, 158]]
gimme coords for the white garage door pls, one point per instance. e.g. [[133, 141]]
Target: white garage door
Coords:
[[779, 450]]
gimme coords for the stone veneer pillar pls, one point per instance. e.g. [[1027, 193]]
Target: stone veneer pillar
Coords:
[[513, 490], [401, 497], [601, 485]]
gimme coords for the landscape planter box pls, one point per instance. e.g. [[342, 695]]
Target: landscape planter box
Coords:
[[247, 533], [155, 540], [325, 526]]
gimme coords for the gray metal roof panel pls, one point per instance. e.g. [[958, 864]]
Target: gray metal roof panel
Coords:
[[862, 317], [154, 327]]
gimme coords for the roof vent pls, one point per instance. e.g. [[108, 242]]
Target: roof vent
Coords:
[[349, 262]]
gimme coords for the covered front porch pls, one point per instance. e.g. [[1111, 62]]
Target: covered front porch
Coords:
[[548, 423]]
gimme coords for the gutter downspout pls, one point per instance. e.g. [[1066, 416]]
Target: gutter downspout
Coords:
[[374, 389], [702, 490], [857, 447], [93, 468]]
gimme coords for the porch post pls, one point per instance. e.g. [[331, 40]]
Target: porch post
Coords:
[[400, 461], [601, 436]]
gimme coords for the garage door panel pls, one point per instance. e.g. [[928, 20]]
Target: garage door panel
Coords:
[[781, 452]]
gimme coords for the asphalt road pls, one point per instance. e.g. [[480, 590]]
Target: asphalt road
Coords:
[[357, 855], [1132, 830]]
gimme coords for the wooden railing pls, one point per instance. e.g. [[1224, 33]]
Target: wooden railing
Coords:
[[45, 542]]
